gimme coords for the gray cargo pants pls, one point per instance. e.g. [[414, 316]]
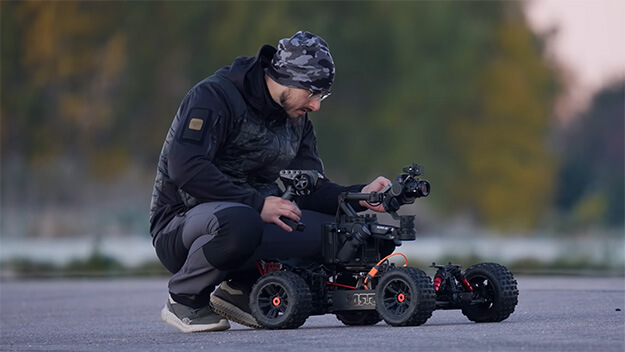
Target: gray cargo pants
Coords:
[[218, 240]]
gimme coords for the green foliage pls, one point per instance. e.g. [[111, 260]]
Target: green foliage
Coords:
[[460, 87], [503, 144]]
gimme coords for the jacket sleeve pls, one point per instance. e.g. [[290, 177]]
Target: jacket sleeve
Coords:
[[324, 198], [204, 122]]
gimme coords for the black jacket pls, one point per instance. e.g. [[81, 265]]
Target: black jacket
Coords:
[[217, 150]]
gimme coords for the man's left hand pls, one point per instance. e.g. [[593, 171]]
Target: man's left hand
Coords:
[[375, 186]]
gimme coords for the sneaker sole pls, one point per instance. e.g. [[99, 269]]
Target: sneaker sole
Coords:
[[171, 319], [233, 313]]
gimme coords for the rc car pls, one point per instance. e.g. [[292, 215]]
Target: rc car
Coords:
[[359, 286]]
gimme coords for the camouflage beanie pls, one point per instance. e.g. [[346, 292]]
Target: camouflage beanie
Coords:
[[303, 61]]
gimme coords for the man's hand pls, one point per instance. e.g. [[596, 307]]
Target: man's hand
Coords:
[[375, 186], [275, 207]]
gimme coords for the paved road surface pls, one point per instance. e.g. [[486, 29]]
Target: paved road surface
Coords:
[[554, 314]]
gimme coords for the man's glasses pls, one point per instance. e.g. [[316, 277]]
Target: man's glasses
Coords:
[[318, 95]]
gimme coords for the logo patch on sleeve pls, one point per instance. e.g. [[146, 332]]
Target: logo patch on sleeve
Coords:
[[196, 124]]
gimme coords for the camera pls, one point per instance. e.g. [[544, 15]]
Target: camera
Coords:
[[405, 189], [355, 239]]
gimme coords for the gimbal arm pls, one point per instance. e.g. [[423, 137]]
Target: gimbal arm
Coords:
[[344, 198]]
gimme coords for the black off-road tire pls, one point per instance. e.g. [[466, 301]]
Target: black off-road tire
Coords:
[[405, 297], [280, 300], [359, 318], [496, 284]]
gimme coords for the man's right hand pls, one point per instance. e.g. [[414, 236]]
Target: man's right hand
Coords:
[[275, 207]]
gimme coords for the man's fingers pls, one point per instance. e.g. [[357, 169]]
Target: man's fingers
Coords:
[[291, 211], [282, 225], [292, 215], [276, 207]]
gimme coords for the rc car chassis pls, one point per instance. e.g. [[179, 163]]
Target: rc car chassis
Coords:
[[361, 288]]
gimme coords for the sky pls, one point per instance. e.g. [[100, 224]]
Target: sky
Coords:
[[589, 42]]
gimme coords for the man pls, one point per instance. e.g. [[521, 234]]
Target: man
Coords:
[[216, 207]]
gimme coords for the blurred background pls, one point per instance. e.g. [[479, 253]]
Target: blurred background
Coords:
[[516, 110]]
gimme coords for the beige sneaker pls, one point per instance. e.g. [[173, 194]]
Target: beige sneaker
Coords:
[[234, 304], [187, 319]]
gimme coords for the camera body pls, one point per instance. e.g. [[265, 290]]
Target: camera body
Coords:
[[354, 240], [406, 189]]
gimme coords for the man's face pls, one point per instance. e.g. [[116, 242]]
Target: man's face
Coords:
[[296, 102]]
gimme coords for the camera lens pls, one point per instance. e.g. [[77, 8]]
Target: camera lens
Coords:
[[423, 188]]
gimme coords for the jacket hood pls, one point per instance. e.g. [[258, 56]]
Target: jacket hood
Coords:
[[248, 75]]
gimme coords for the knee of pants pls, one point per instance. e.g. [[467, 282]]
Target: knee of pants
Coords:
[[239, 234], [170, 250]]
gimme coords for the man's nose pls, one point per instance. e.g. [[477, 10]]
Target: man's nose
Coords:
[[314, 105]]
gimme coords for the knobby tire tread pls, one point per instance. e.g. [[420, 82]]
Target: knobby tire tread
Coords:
[[505, 291], [300, 301], [424, 293]]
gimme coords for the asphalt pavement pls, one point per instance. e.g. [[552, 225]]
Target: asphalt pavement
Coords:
[[553, 314]]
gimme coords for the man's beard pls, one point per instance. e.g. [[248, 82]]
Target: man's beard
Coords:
[[291, 108]]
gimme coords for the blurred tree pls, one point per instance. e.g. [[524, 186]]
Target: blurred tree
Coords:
[[502, 145], [591, 178], [59, 89]]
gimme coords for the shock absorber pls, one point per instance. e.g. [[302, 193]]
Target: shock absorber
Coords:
[[444, 271], [461, 279], [438, 279]]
